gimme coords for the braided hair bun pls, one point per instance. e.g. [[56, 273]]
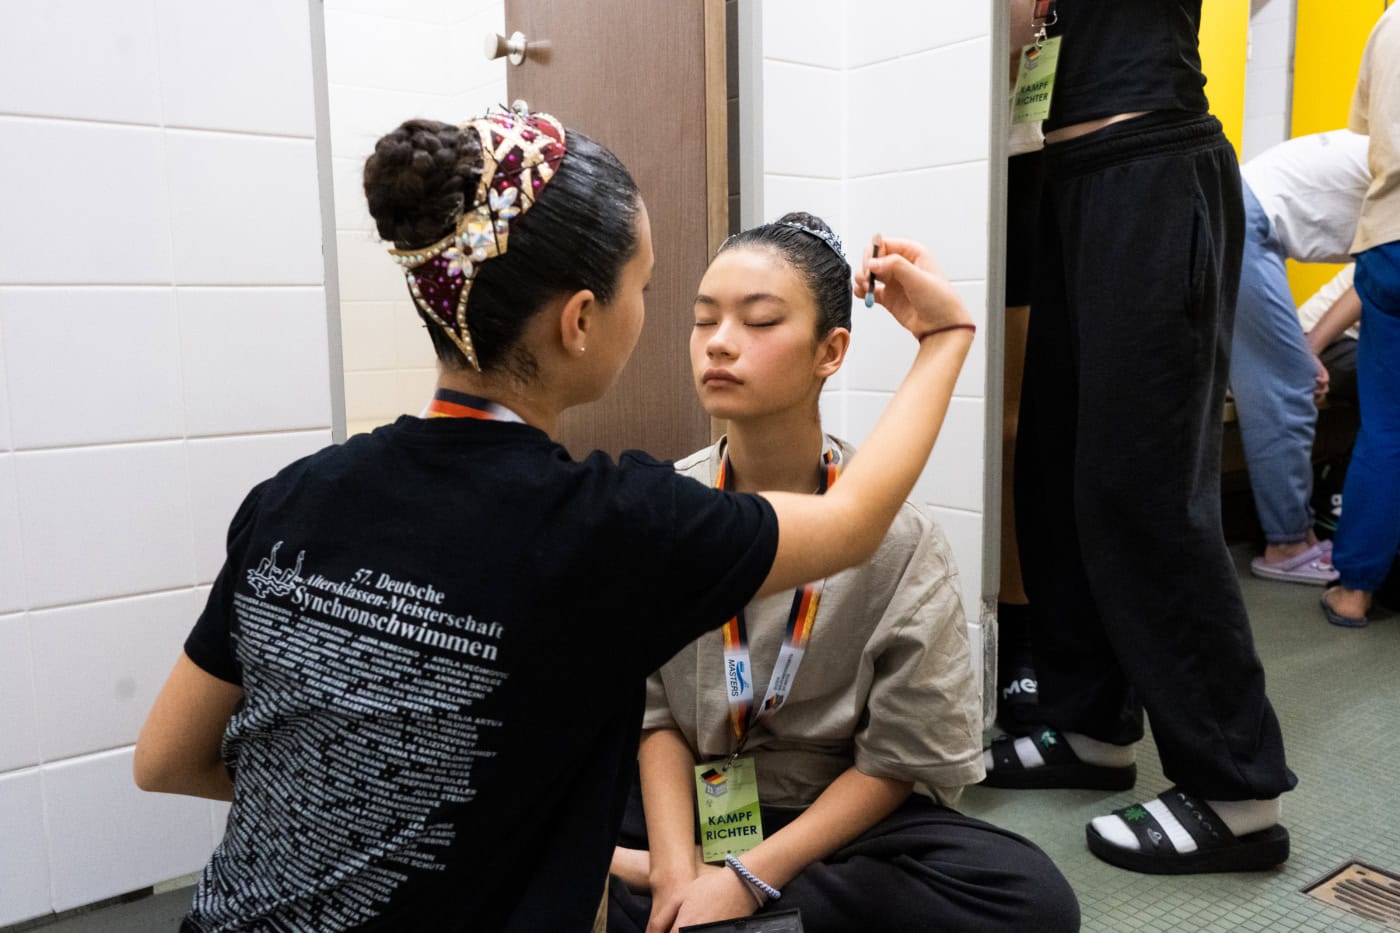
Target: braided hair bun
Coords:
[[418, 181]]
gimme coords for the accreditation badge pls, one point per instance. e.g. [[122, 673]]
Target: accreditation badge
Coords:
[[1035, 81], [727, 797]]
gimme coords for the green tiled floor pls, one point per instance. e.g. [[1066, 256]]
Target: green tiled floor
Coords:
[[1337, 693]]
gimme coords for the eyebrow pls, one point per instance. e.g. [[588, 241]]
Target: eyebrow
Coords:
[[754, 298]]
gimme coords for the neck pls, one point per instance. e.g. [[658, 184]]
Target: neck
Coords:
[[776, 453], [529, 405]]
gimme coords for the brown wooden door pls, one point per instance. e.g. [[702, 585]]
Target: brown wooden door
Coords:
[[642, 78]]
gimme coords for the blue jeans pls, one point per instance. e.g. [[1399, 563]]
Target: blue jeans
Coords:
[[1272, 375], [1368, 533]]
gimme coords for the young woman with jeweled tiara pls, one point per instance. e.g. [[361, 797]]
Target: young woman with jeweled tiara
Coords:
[[419, 675], [834, 699]]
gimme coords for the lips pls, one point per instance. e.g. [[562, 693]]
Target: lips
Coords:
[[720, 377]]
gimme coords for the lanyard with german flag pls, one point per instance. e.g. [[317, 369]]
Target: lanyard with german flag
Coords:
[[449, 403], [738, 670]]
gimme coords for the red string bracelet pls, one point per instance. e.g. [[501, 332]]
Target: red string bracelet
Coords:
[[939, 330]]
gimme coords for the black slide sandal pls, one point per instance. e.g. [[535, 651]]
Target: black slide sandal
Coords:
[[1062, 768], [1217, 849]]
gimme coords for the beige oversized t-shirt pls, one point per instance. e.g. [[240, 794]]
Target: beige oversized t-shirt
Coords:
[[886, 683], [1375, 110]]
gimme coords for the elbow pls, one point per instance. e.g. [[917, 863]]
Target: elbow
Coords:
[[150, 774], [146, 777]]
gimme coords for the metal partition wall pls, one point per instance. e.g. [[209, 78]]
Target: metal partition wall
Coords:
[[320, 84], [1000, 118]]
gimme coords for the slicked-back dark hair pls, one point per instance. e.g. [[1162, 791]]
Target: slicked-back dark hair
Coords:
[[826, 273]]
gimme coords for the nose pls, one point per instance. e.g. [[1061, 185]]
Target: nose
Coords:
[[721, 342]]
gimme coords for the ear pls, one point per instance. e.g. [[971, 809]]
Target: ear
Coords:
[[576, 321], [831, 352]]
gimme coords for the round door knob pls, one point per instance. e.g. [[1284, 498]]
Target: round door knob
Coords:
[[512, 49]]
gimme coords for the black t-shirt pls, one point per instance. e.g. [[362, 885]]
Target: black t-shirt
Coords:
[[1122, 56], [442, 631]]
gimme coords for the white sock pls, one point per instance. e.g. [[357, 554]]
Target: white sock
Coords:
[[1248, 816], [1090, 751], [1241, 817], [1093, 752]]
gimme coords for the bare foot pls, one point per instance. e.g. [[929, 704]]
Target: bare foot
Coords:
[[1348, 602], [633, 866]]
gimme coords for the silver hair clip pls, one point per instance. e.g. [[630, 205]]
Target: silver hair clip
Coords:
[[830, 239]]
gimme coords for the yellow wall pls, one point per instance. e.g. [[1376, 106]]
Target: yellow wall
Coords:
[[1327, 54], [1224, 45], [1328, 42]]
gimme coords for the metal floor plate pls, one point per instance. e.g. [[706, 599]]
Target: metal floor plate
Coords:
[[1363, 890]]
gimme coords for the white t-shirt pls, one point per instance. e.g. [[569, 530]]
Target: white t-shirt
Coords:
[[1375, 109], [1311, 311], [1311, 189], [1023, 138]]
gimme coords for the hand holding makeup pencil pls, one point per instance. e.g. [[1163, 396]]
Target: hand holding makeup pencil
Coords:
[[910, 285]]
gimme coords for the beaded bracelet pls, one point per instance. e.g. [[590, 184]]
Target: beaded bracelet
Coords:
[[939, 330], [752, 880]]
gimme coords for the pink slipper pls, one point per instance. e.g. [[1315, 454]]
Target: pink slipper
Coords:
[[1313, 566]]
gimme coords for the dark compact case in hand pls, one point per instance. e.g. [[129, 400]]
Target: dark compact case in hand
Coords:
[[782, 921]]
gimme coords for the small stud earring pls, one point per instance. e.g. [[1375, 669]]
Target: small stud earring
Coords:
[[581, 349]]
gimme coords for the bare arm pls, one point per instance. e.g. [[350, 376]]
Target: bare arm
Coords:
[[881, 476], [853, 803], [178, 750], [668, 785], [1343, 313]]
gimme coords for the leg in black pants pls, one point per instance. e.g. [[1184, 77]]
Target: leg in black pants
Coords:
[[1118, 491], [924, 867]]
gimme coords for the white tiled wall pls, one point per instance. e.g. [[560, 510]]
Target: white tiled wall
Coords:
[[97, 820], [387, 61], [98, 522], [96, 672], [886, 129], [19, 726], [253, 338], [242, 180], [1268, 83], [126, 340], [25, 867], [121, 234], [163, 345]]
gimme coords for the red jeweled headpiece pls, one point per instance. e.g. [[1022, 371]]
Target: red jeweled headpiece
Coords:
[[520, 152]]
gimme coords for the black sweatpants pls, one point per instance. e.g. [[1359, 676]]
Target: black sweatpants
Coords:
[[924, 867], [1339, 357], [1118, 459]]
